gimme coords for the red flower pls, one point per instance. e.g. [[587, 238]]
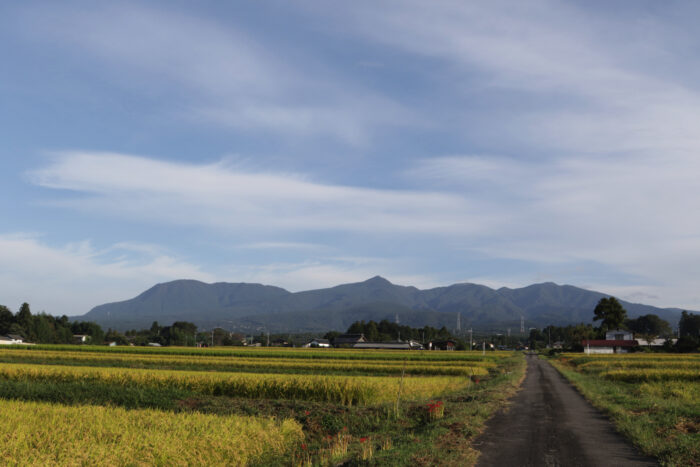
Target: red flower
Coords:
[[362, 440], [303, 446], [306, 412]]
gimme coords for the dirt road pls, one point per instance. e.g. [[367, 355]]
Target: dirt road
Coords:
[[550, 424]]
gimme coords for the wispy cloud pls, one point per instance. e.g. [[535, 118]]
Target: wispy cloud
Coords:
[[216, 72], [635, 216], [282, 246], [221, 196], [549, 74]]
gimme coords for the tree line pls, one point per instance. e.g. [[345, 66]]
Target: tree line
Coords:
[[612, 315], [386, 331], [42, 328], [46, 329]]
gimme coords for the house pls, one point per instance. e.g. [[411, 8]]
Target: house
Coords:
[[11, 339], [80, 338], [442, 345], [616, 341], [318, 343], [619, 335], [348, 340]]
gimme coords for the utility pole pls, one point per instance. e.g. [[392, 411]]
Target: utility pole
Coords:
[[212, 337], [396, 318], [522, 325], [459, 322], [471, 345]]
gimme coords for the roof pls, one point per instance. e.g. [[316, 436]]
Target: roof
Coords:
[[608, 343], [15, 337], [382, 345], [320, 341], [349, 338]]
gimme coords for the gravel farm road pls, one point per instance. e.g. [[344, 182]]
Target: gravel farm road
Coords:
[[550, 424]]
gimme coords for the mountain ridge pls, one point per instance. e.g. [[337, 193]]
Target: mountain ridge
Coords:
[[253, 307]]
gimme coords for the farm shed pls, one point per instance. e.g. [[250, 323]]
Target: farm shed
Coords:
[[607, 346], [11, 339], [410, 345], [80, 338], [657, 342]]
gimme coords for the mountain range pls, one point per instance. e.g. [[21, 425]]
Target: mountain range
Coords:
[[255, 307]]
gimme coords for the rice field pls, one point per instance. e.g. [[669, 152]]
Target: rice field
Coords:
[[276, 364], [83, 405], [344, 390], [654, 399], [276, 352], [49, 434]]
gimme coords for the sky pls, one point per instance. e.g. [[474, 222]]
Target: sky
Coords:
[[307, 144]]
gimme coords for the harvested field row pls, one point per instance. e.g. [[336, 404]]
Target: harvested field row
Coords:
[[362, 390], [640, 364], [205, 363], [650, 375], [642, 357], [276, 352]]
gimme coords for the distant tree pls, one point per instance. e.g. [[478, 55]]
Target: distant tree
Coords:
[[536, 339], [223, 337], [358, 327], [649, 327], [689, 325], [15, 328], [43, 329], [330, 335], [689, 330], [24, 316], [115, 336], [372, 332], [91, 329], [6, 319], [610, 312]]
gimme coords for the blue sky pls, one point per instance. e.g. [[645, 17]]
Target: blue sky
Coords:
[[307, 144]]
